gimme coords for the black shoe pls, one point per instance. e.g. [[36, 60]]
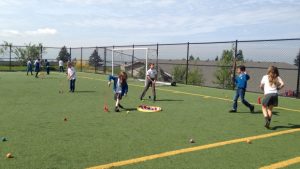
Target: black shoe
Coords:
[[121, 106], [141, 98], [252, 109], [232, 111], [267, 123], [117, 109]]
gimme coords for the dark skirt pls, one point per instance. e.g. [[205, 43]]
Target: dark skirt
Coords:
[[270, 100]]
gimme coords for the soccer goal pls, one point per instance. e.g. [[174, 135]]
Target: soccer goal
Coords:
[[134, 61]]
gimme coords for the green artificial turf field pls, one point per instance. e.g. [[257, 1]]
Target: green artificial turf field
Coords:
[[32, 113]]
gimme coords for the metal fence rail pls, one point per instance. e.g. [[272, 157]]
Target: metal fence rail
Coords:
[[197, 61]]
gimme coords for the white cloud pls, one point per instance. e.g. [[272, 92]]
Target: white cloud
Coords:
[[16, 33], [43, 31]]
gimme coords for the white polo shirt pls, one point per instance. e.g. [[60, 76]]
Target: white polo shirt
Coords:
[[151, 73]]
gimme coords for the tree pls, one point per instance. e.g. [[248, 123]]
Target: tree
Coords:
[[64, 55], [296, 61], [191, 57], [240, 56], [31, 51], [95, 59], [195, 77], [178, 74], [223, 73], [198, 59], [4, 48], [217, 58]]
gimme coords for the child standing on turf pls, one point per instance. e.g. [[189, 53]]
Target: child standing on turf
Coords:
[[71, 76], [151, 77], [37, 66], [120, 88], [270, 84], [47, 67], [29, 66], [241, 84]]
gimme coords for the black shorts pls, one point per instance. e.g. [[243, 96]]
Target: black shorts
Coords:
[[270, 100], [118, 96]]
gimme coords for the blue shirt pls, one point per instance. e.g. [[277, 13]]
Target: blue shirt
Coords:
[[118, 88], [241, 80]]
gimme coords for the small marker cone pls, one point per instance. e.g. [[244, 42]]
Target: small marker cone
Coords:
[[106, 108], [192, 140], [259, 100], [249, 141]]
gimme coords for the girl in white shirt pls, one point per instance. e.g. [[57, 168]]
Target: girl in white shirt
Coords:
[[270, 84], [71, 76]]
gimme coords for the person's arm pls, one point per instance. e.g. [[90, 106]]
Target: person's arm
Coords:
[[262, 84], [281, 84], [110, 77]]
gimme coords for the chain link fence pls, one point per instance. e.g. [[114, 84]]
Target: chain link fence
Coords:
[[210, 64]]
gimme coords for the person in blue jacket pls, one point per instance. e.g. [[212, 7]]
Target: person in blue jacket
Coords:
[[120, 88], [241, 86]]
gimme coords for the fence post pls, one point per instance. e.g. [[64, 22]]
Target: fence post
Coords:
[[187, 62], [96, 62], [104, 65], [157, 57], [234, 64], [298, 78], [10, 57], [81, 59], [41, 50], [132, 60], [70, 54]]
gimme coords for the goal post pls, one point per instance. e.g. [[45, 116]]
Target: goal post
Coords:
[[120, 50]]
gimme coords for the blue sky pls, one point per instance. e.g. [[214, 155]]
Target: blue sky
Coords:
[[117, 22]]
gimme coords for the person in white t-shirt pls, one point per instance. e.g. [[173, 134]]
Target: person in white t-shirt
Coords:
[[150, 81], [71, 76], [61, 66], [270, 84]]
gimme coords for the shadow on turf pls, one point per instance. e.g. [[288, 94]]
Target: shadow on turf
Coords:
[[167, 100], [290, 126], [85, 91], [256, 112]]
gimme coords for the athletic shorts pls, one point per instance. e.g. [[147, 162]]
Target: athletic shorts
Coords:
[[270, 100], [118, 96]]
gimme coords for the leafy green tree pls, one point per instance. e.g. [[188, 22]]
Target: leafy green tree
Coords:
[[142, 72], [64, 55], [95, 59], [223, 73], [195, 77], [30, 51], [178, 74], [296, 61]]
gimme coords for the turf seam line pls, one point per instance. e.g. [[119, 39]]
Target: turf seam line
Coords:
[[282, 164], [191, 149], [193, 94]]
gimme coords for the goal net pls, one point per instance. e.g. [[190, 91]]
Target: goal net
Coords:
[[134, 61]]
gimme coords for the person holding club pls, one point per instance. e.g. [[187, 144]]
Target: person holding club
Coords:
[[151, 77], [120, 88]]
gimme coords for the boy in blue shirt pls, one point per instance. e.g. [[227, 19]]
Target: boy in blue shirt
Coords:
[[120, 88], [241, 85]]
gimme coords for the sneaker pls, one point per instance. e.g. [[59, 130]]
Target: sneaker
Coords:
[[267, 123], [121, 106], [117, 109], [252, 109], [232, 111]]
